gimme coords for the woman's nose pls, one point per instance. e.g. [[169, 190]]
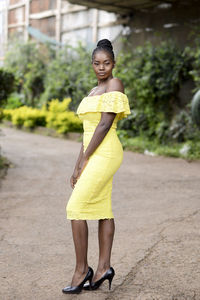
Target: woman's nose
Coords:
[[101, 67]]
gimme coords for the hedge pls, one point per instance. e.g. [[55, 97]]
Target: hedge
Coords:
[[56, 116]]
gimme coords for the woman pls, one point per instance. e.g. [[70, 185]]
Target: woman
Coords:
[[100, 156]]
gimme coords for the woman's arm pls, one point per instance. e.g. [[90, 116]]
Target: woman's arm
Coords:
[[100, 132], [79, 158], [74, 176], [102, 128]]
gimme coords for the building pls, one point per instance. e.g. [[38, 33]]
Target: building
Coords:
[[3, 27], [60, 21], [56, 21], [154, 20]]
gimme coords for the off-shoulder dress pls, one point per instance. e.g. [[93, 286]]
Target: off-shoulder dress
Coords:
[[91, 197]]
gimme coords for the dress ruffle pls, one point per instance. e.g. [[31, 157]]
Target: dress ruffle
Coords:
[[115, 101]]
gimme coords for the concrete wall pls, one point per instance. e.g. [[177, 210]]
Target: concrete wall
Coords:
[[168, 22], [3, 25], [87, 25], [62, 21]]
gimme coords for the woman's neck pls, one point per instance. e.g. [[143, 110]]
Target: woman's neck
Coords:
[[102, 82]]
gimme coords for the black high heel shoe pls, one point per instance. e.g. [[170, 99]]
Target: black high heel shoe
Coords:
[[95, 285], [77, 289]]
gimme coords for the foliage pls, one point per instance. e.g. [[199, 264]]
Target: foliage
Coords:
[[182, 128], [7, 85], [43, 74], [61, 119], [4, 163], [56, 116], [142, 144], [195, 105], [28, 62], [195, 72], [154, 74], [1, 114], [25, 116], [152, 77], [69, 74], [194, 149], [15, 100]]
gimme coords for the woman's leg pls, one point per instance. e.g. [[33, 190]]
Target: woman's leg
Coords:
[[106, 234], [80, 237]]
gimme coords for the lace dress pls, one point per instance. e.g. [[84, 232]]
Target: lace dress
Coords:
[[91, 197]]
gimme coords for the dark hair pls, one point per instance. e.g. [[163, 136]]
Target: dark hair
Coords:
[[104, 45]]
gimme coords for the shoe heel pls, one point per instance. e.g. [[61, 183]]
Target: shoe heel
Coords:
[[110, 282], [90, 283]]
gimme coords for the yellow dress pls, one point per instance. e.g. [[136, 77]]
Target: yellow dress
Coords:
[[91, 197]]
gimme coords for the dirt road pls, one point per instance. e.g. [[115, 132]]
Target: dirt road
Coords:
[[156, 202]]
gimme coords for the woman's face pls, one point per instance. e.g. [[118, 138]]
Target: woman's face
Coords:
[[103, 64]]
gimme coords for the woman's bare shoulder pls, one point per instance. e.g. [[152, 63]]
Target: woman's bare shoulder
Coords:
[[115, 84], [92, 90]]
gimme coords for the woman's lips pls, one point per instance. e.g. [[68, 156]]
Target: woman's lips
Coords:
[[101, 74]]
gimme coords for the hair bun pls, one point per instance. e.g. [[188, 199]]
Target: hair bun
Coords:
[[105, 44]]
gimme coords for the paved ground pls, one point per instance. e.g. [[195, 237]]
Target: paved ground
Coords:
[[156, 202]]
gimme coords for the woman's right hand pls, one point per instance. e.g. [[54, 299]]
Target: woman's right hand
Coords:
[[74, 178]]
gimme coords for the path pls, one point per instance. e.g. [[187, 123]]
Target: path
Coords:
[[156, 202]]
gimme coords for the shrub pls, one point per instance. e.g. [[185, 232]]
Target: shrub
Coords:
[[69, 74], [195, 72], [26, 116], [152, 77], [194, 149], [15, 100], [7, 114], [7, 85], [28, 62], [56, 116], [66, 122], [60, 118], [196, 108], [182, 128]]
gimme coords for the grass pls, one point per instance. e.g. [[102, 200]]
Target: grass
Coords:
[[189, 150], [4, 165]]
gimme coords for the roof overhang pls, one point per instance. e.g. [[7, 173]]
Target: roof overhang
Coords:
[[125, 7]]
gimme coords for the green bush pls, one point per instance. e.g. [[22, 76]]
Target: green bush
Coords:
[[195, 105], [194, 149], [43, 73], [7, 85], [61, 119], [6, 114], [25, 116], [15, 100], [152, 77], [56, 116], [69, 74], [141, 144], [28, 62], [195, 72]]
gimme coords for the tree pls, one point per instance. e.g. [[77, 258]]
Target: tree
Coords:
[[28, 61], [7, 85]]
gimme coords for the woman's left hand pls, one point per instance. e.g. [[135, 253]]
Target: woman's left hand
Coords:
[[82, 165]]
